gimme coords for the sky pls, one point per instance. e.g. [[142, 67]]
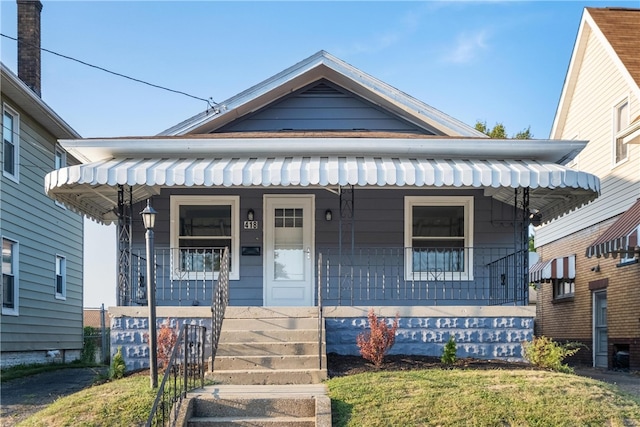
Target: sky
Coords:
[[490, 61]]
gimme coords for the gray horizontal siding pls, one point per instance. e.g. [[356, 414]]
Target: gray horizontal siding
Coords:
[[378, 222], [43, 230], [323, 106]]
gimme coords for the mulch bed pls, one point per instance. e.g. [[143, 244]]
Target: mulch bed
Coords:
[[339, 365]]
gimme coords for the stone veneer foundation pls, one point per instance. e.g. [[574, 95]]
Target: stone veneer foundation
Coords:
[[480, 332]]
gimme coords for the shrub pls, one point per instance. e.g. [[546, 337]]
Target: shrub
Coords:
[[118, 367], [375, 343], [449, 352], [167, 338], [545, 353]]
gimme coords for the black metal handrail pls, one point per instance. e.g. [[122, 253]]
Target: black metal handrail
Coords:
[[219, 302], [320, 320], [185, 372]]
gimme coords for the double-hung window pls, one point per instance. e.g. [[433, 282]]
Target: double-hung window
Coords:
[[9, 277], [439, 238], [61, 277], [10, 143], [201, 227], [620, 125]]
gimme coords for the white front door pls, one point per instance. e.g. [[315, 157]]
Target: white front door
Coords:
[[288, 255], [600, 335]]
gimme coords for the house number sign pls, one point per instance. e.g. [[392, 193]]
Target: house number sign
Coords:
[[251, 225]]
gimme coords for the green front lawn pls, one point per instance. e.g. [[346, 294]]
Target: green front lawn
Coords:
[[431, 397]]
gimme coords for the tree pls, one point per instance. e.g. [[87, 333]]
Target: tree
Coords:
[[498, 131]]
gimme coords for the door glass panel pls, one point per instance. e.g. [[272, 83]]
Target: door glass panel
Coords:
[[288, 245]]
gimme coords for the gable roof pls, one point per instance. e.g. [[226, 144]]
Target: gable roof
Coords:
[[621, 28], [617, 30], [25, 98], [323, 65]]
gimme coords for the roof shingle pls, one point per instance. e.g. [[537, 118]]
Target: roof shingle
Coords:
[[621, 27]]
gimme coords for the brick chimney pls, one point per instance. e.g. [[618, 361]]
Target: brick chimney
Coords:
[[29, 43]]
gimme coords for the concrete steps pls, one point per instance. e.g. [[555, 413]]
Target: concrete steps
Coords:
[[287, 406], [270, 345]]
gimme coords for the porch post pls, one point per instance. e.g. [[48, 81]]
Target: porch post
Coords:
[[521, 245], [124, 245]]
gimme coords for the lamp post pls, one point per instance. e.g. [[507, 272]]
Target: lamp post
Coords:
[[149, 220]]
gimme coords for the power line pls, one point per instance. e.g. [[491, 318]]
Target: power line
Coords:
[[210, 102]]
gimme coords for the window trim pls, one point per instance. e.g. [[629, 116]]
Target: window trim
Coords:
[[619, 134], [63, 273], [234, 202], [15, 250], [15, 141], [465, 201], [63, 164]]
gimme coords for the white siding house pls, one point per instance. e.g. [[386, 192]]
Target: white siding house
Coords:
[[600, 102]]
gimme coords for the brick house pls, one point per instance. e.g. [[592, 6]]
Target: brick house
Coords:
[[588, 275]]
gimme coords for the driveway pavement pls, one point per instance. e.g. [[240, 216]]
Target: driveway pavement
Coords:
[[628, 382], [23, 397]]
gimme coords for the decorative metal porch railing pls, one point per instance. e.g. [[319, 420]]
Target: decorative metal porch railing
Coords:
[[184, 372], [183, 276], [360, 276], [424, 276]]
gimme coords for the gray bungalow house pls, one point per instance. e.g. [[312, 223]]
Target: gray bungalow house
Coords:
[[336, 191]]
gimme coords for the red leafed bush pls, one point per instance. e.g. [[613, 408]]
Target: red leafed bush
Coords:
[[375, 343], [167, 337]]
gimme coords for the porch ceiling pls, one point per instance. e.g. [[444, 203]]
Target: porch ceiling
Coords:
[[92, 188]]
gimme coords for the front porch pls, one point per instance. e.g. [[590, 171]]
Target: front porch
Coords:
[[364, 276]]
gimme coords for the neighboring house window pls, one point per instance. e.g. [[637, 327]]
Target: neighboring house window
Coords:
[[201, 228], [61, 277], [60, 161], [621, 123], [563, 288], [628, 256], [9, 277], [438, 237], [10, 142]]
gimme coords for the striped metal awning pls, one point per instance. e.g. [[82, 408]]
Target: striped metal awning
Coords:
[[91, 188], [621, 237], [557, 268]]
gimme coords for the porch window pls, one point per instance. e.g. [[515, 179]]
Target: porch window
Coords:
[[10, 143], [621, 123], [9, 277], [438, 237], [563, 288], [61, 277], [202, 226]]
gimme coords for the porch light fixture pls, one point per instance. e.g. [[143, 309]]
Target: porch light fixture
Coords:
[[328, 215], [250, 215], [535, 218], [149, 220]]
